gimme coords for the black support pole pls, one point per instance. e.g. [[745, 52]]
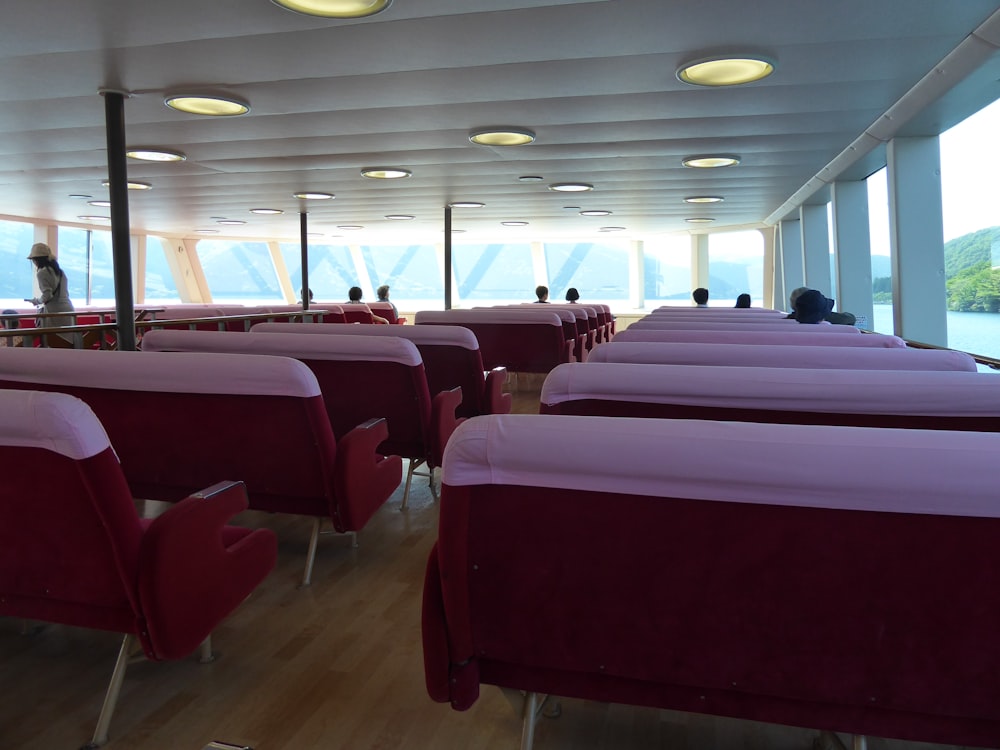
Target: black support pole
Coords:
[[304, 252], [121, 244], [447, 257]]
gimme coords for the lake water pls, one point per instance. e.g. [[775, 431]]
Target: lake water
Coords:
[[976, 333]]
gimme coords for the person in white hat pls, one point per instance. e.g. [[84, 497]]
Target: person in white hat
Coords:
[[53, 287]]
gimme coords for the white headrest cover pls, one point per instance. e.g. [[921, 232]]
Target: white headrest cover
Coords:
[[52, 421]]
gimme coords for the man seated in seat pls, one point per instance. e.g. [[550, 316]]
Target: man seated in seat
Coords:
[[700, 297], [542, 292], [354, 295], [844, 319]]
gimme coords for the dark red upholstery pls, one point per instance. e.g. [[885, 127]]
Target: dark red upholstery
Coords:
[[451, 359], [73, 550], [184, 422], [879, 622], [357, 312], [384, 310]]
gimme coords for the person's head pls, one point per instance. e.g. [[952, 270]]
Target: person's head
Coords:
[[700, 296], [743, 300], [303, 296], [9, 321], [795, 295], [383, 292], [572, 295], [41, 254], [354, 294], [811, 306], [542, 292]]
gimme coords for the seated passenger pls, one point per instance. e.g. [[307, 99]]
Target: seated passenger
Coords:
[[700, 296], [812, 307], [354, 295], [837, 318], [383, 296], [572, 295], [743, 300], [542, 292]]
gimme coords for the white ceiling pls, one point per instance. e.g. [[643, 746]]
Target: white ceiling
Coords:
[[593, 78]]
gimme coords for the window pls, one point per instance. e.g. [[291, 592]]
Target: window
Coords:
[[413, 273], [667, 270], [493, 274], [160, 286], [239, 272], [331, 271], [16, 274], [878, 229], [735, 267], [598, 270]]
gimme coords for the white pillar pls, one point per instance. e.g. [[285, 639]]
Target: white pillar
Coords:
[[852, 246], [699, 262], [816, 247], [779, 298], [916, 240], [792, 266], [769, 265]]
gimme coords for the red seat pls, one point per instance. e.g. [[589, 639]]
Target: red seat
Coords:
[[357, 312], [74, 551], [384, 310]]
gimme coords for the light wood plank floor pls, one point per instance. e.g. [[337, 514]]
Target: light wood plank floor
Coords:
[[334, 666]]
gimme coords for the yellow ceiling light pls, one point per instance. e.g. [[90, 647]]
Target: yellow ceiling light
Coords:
[[502, 136], [207, 104], [154, 154], [335, 8], [704, 199], [385, 173], [725, 71], [466, 204], [711, 161], [310, 196], [132, 185]]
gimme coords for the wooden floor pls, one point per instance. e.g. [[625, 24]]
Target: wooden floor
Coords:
[[333, 666]]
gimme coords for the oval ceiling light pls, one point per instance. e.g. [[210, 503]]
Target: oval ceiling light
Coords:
[[154, 154], [399, 217], [78, 195], [710, 161], [514, 223], [350, 227], [100, 204], [335, 8], [132, 185], [308, 196], [207, 104], [94, 218], [571, 187], [502, 136], [466, 204], [206, 231], [699, 220], [704, 199], [231, 222], [611, 229], [728, 70], [458, 231], [595, 212], [385, 173], [266, 211], [530, 178]]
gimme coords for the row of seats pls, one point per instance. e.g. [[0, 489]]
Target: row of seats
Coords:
[[758, 538]]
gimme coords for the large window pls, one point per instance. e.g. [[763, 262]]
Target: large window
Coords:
[[735, 267], [239, 272], [493, 274], [331, 271], [667, 270], [16, 272], [598, 270], [970, 184], [413, 273], [160, 286]]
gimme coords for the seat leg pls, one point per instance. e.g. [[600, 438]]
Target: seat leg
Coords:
[[414, 463], [432, 485], [311, 554], [205, 654], [111, 697]]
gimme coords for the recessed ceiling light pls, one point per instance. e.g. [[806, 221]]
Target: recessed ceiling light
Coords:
[[350, 227], [594, 212], [269, 211], [709, 161], [102, 204], [399, 217], [306, 196], [571, 208], [231, 222], [502, 136], [571, 187], [611, 229], [699, 220], [132, 185], [206, 231], [730, 70], [530, 178], [514, 223], [207, 104], [466, 204], [154, 154], [335, 8], [458, 231], [385, 173], [94, 218], [78, 195], [704, 199]]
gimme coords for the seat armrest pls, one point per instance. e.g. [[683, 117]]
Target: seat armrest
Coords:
[[194, 570], [443, 421], [495, 401], [363, 478]]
